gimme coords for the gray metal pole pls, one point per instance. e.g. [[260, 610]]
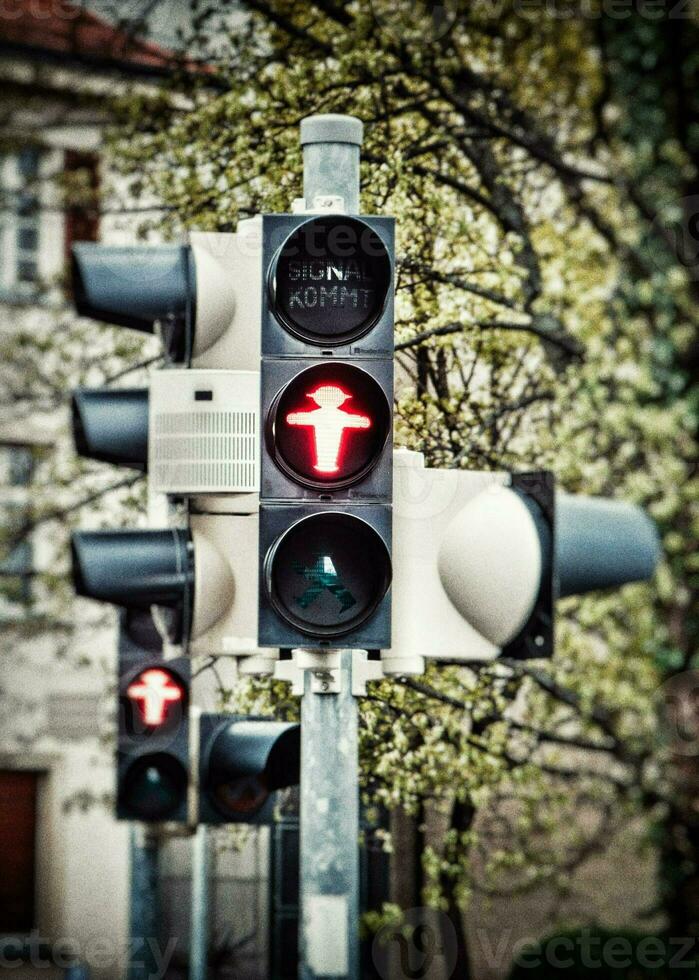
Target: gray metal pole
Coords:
[[199, 926], [329, 855], [145, 906], [329, 818], [331, 159]]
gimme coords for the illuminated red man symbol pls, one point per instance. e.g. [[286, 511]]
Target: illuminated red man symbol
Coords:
[[328, 421], [154, 689]]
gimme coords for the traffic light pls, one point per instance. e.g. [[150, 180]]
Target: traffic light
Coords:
[[481, 558], [153, 729], [180, 571], [326, 444], [242, 762], [198, 298]]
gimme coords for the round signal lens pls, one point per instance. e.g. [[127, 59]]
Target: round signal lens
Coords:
[[330, 280], [154, 787], [243, 796], [328, 573], [328, 427]]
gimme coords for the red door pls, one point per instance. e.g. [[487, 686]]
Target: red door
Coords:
[[18, 793]]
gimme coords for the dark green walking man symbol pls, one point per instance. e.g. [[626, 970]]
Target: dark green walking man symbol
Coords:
[[322, 575]]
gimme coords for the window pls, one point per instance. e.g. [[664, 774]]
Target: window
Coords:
[[20, 220], [16, 553], [16, 465], [18, 815], [81, 178]]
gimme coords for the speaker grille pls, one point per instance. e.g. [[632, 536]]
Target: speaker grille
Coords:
[[204, 451]]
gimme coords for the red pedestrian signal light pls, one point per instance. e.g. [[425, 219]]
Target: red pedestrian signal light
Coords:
[[153, 733], [329, 422], [329, 426], [154, 691]]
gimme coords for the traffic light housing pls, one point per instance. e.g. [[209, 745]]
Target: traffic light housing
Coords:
[[242, 763], [482, 557], [153, 728], [326, 441], [198, 298]]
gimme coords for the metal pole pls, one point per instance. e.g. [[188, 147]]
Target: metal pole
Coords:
[[329, 818], [199, 926], [329, 845], [331, 159], [145, 907]]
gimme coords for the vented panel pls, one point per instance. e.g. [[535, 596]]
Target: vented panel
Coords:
[[199, 450], [204, 432]]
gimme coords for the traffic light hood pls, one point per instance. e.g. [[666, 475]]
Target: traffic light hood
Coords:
[[253, 747], [111, 425], [185, 289], [172, 569], [136, 286], [133, 569], [602, 543]]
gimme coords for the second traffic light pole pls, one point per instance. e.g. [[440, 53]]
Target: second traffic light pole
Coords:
[[329, 828]]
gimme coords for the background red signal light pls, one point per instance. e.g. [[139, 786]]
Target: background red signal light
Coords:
[[328, 427], [154, 691]]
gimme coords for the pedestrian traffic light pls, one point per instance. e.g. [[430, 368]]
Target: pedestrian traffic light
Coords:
[[153, 737], [481, 558], [242, 762], [327, 416]]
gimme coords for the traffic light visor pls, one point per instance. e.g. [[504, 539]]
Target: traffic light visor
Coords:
[[134, 569], [135, 286], [111, 425]]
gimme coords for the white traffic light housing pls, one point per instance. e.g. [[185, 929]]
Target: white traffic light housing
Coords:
[[200, 298], [480, 558]]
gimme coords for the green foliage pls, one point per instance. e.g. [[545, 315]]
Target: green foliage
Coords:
[[534, 329]]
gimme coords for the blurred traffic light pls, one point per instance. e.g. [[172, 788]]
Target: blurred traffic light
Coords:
[[242, 762], [153, 738]]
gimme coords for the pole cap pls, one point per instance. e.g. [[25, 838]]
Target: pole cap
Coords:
[[332, 128]]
